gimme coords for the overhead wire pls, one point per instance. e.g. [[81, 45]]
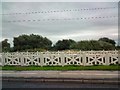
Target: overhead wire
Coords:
[[57, 11], [58, 19]]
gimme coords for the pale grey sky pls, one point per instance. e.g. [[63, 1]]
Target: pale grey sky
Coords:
[[83, 29]]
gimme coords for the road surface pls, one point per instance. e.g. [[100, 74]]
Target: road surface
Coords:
[[60, 79], [10, 84]]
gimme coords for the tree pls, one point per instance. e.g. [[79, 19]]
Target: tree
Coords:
[[106, 45], [24, 42], [87, 45], [5, 45], [105, 39], [118, 47], [93, 45], [64, 44]]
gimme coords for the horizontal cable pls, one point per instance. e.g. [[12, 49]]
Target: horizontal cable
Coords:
[[56, 11], [38, 20]]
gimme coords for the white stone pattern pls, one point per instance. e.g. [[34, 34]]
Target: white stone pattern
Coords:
[[84, 58]]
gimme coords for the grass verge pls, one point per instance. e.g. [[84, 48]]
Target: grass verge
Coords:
[[70, 67]]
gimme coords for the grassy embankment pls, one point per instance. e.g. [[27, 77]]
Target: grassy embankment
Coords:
[[72, 67]]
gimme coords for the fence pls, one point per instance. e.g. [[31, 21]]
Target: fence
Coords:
[[85, 58]]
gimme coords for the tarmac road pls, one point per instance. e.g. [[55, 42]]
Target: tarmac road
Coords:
[[10, 84]]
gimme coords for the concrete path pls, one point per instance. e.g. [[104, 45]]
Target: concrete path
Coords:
[[62, 74]]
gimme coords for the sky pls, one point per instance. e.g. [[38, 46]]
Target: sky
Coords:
[[60, 20]]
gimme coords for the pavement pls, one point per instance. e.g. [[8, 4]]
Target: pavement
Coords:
[[62, 74]]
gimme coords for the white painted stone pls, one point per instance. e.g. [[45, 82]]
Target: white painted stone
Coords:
[[59, 58]]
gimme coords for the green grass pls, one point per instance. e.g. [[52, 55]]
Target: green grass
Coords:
[[72, 67]]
